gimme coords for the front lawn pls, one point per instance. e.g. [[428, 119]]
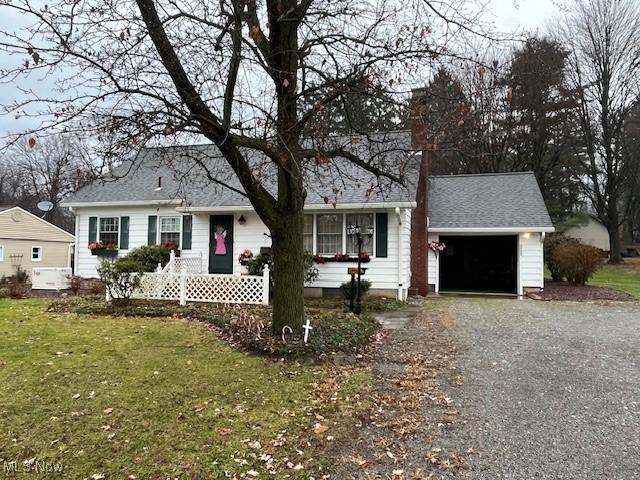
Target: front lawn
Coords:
[[625, 277], [122, 397]]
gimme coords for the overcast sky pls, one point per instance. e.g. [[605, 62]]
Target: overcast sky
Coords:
[[508, 15]]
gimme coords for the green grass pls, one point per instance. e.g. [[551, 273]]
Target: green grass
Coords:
[[625, 277], [184, 404]]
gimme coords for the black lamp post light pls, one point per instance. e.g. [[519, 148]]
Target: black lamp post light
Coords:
[[359, 233]]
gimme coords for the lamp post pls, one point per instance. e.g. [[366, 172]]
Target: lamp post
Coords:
[[355, 230]]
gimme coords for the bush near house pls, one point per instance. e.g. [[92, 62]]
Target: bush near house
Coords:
[[149, 256], [551, 242], [16, 285], [256, 265], [121, 277], [577, 262]]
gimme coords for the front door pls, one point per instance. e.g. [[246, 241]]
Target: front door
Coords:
[[221, 244]]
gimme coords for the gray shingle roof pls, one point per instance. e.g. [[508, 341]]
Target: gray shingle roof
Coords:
[[508, 200], [187, 174]]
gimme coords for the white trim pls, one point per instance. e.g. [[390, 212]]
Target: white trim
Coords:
[[506, 230], [400, 254], [121, 203], [159, 228], [39, 219], [98, 231], [1, 253], [315, 206], [40, 253]]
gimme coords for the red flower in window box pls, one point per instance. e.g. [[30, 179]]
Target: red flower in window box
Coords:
[[103, 249]]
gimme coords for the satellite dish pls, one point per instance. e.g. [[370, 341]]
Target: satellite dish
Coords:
[[45, 206]]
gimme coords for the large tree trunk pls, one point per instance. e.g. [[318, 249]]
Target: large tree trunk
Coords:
[[288, 271], [615, 255]]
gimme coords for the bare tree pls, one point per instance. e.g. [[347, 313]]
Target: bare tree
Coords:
[[49, 170], [234, 72], [603, 38]]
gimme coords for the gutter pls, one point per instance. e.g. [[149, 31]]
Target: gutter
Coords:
[[314, 206], [135, 203], [492, 230]]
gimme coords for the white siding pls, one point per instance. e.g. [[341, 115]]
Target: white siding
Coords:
[[138, 224], [384, 273], [531, 264], [433, 274]]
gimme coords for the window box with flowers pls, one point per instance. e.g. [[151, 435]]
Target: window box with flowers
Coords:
[[342, 257], [101, 249]]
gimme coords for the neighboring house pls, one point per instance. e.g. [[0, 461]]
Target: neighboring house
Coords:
[[589, 230], [29, 242]]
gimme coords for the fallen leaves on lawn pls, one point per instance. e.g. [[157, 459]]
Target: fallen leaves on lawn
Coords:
[[108, 410], [319, 428]]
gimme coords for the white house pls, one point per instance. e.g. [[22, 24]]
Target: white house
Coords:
[[163, 197], [590, 231], [492, 225]]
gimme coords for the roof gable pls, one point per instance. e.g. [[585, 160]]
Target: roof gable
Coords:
[[18, 224], [487, 201]]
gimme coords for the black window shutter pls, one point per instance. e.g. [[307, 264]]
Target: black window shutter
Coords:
[[93, 229], [124, 233], [187, 227], [152, 234], [381, 234]]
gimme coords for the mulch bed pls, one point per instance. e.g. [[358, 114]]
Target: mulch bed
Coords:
[[564, 291]]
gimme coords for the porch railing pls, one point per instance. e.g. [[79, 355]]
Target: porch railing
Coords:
[[177, 264]]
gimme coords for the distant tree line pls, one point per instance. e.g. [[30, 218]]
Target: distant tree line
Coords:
[[46, 169]]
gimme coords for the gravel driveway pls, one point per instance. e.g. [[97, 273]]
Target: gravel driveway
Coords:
[[549, 390]]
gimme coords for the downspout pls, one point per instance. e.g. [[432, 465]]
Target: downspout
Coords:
[[76, 250], [400, 263]]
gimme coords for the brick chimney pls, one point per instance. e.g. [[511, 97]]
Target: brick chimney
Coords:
[[419, 234]]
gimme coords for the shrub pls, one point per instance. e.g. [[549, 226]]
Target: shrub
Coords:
[[345, 288], [121, 277], [256, 265], [149, 256], [551, 242], [577, 262], [75, 283], [15, 286]]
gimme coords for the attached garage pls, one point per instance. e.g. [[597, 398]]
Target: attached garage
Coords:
[[486, 233], [479, 264]]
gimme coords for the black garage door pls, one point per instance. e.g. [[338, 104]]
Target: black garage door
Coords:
[[479, 264]]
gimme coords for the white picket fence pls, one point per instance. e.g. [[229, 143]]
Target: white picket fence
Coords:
[[197, 287]]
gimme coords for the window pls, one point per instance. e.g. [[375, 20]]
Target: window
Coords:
[[329, 236], [307, 234], [363, 220], [170, 230], [36, 254], [109, 230], [1, 253]]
